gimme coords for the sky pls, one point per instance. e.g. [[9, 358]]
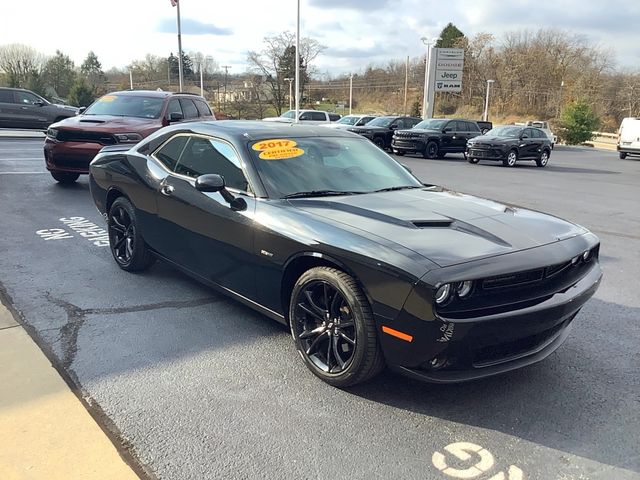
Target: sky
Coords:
[[356, 33]]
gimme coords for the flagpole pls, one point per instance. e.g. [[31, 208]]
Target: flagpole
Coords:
[[297, 65], [179, 47]]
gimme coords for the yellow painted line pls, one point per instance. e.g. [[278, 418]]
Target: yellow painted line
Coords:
[[395, 333]]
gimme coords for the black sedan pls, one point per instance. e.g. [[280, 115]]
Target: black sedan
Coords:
[[324, 232], [380, 130], [510, 144]]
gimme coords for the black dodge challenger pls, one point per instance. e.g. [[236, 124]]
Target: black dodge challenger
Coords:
[[324, 232]]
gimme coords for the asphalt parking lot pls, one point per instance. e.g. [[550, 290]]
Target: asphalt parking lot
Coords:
[[197, 386]]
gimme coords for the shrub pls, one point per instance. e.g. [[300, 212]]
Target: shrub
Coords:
[[577, 123]]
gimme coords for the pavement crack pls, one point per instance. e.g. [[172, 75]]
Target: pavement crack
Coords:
[[153, 306]]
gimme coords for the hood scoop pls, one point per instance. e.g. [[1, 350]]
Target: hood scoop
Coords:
[[92, 121], [444, 223]]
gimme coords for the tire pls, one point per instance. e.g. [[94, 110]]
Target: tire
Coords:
[[400, 153], [473, 160], [544, 159], [431, 150], [331, 319], [65, 178], [379, 141], [511, 159], [623, 155], [125, 241]]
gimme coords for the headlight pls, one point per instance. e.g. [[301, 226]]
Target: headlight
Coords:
[[586, 256], [464, 288], [128, 137], [442, 294], [52, 133]]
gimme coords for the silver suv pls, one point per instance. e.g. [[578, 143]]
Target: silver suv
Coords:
[[21, 108]]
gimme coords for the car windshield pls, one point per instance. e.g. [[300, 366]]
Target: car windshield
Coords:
[[381, 122], [431, 124], [326, 165], [505, 131], [289, 114], [126, 106], [348, 120]]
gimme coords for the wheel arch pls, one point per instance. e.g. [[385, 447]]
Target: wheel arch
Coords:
[[303, 261], [112, 194]]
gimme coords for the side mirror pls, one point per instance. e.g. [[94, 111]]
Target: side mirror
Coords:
[[524, 137], [39, 103], [175, 117], [212, 182], [393, 126], [81, 110], [447, 130]]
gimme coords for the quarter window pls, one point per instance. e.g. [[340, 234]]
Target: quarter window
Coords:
[[206, 155], [189, 109], [6, 96], [203, 108], [171, 151]]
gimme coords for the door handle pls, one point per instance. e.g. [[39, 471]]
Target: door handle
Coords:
[[166, 190]]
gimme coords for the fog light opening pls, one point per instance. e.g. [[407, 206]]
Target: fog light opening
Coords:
[[436, 363], [586, 256]]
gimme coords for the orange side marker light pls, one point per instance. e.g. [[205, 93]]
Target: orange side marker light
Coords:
[[396, 333]]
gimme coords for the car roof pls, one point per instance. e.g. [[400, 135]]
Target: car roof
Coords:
[[150, 93], [259, 130]]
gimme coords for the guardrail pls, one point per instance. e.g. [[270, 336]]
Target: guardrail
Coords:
[[604, 140]]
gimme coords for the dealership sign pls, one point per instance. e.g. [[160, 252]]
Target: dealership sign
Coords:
[[449, 65]]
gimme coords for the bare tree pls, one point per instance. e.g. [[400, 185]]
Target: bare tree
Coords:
[[20, 63]]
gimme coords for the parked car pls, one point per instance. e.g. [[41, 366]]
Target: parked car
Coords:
[[435, 137], [120, 117], [308, 117], [324, 232], [510, 144], [21, 108], [484, 126], [380, 130], [629, 137], [350, 121]]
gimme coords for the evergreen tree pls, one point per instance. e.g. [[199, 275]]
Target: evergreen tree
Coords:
[[81, 94], [91, 68], [449, 36], [577, 122], [60, 74]]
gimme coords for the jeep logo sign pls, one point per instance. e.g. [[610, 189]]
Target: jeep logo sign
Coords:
[[448, 75]]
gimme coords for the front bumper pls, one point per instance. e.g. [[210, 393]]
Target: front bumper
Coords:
[[486, 153], [407, 145], [627, 149], [72, 157]]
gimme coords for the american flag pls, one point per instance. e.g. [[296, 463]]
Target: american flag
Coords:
[[174, 3]]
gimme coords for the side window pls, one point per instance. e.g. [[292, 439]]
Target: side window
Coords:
[[203, 108], [170, 152], [305, 116], [6, 96], [26, 98], [334, 117], [461, 126], [318, 116], [188, 108], [473, 127], [414, 121], [528, 132], [174, 107], [207, 155], [400, 124]]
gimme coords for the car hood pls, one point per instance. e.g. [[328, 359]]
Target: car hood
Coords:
[[108, 123], [445, 227], [364, 128], [493, 139], [426, 131]]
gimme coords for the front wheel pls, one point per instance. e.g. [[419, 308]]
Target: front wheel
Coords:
[[623, 155], [65, 178], [379, 142], [473, 160], [512, 158], [431, 150], [125, 241], [333, 327]]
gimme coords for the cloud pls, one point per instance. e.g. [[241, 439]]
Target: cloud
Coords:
[[367, 5], [371, 52], [191, 27]]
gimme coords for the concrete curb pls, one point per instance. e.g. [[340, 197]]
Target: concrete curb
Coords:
[[22, 134], [45, 430]]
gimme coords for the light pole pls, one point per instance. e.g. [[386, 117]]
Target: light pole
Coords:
[[297, 64], [290, 80], [485, 116], [350, 92], [224, 98], [429, 94]]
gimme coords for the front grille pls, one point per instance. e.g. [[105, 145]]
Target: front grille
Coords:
[[86, 136], [404, 135], [513, 279], [71, 161]]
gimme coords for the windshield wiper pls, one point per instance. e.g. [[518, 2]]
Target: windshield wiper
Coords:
[[320, 193], [402, 187]]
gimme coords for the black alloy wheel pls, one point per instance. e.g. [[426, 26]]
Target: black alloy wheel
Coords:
[[379, 141], [543, 160], [333, 327], [127, 246], [431, 150], [511, 159], [65, 178], [473, 160]]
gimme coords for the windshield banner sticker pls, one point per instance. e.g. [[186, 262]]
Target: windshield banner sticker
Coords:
[[277, 149]]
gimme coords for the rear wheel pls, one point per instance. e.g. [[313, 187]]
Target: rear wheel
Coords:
[[473, 160], [431, 150], [126, 243], [623, 155], [512, 158], [65, 178], [544, 159], [333, 327]]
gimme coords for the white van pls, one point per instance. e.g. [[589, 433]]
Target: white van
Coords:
[[629, 137]]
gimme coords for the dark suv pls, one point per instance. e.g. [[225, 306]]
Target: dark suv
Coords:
[[380, 130], [116, 118], [21, 108], [435, 137]]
